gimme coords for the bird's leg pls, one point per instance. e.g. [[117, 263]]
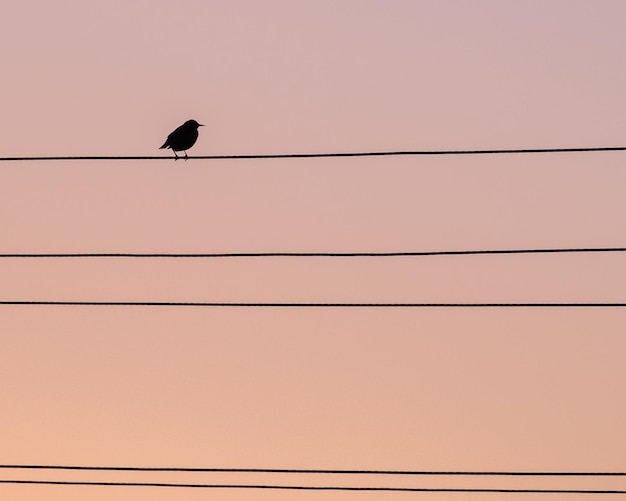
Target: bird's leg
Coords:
[[186, 157], [175, 155]]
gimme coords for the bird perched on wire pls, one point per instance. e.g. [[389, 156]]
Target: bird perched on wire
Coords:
[[182, 138]]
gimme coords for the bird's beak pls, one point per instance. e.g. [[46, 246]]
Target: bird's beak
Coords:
[[200, 125]]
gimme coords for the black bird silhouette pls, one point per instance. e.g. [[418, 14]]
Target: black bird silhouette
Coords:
[[182, 138]]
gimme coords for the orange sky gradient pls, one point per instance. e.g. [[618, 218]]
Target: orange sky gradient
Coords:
[[411, 389]]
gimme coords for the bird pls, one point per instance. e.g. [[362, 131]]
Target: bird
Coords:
[[183, 138]]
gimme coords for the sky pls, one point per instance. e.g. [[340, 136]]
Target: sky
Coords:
[[480, 389]]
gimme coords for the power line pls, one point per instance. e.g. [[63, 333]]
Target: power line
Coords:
[[312, 254], [314, 471], [314, 305], [311, 488], [328, 155]]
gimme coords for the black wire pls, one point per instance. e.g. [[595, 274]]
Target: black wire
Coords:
[[314, 254], [313, 471], [327, 155], [310, 488], [317, 305]]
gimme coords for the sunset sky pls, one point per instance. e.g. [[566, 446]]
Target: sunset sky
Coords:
[[526, 389]]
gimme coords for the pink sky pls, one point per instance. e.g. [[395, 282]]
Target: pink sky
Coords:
[[416, 389]]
